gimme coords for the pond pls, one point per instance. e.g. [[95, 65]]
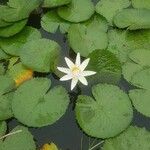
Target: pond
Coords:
[[66, 133]]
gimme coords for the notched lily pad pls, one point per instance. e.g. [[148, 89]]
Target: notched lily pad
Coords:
[[51, 22], [133, 138], [44, 107], [109, 8], [40, 55], [19, 141], [13, 44], [74, 12], [55, 3], [133, 19], [106, 65], [107, 114]]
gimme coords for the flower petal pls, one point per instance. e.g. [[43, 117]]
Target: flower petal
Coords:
[[66, 77], [63, 69], [74, 83], [83, 80], [84, 64], [78, 60], [69, 62], [87, 73]]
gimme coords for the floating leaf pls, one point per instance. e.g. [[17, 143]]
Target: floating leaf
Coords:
[[13, 44], [74, 12], [106, 66], [19, 141], [105, 115], [133, 19], [2, 69], [141, 4], [44, 108], [85, 39], [141, 56], [51, 146], [133, 138], [40, 55], [141, 100], [12, 29], [51, 22], [108, 8], [3, 128], [20, 73], [55, 3], [3, 55]]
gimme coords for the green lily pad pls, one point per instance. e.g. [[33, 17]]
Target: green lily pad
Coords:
[[17, 10], [133, 19], [2, 69], [3, 128], [141, 4], [51, 22], [107, 114], [141, 100], [85, 39], [12, 29], [12, 45], [74, 12], [44, 106], [141, 79], [3, 55], [40, 55], [109, 8], [122, 42], [19, 141], [133, 138], [106, 65], [141, 56], [129, 69], [55, 3]]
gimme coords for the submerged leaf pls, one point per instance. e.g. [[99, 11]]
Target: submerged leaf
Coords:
[[107, 114], [44, 107], [74, 12], [133, 19]]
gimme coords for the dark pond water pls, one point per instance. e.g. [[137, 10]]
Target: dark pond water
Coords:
[[65, 132]]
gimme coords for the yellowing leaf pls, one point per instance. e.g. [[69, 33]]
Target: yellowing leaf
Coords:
[[51, 146]]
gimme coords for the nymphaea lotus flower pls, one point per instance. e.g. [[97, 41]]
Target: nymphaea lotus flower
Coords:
[[76, 72]]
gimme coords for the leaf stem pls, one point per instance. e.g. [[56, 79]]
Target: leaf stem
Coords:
[[96, 145], [9, 134]]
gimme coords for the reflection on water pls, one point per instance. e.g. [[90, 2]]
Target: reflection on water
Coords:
[[65, 132]]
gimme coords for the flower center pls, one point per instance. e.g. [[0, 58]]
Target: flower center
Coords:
[[75, 70]]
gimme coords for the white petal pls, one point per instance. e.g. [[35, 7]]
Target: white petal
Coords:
[[69, 62], [87, 73], [66, 77], [74, 83], [83, 80], [84, 64], [63, 69], [78, 59]]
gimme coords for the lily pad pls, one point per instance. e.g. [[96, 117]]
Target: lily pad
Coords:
[[55, 3], [40, 55], [133, 19], [85, 38], [107, 114], [106, 65], [3, 55], [51, 22], [109, 8], [141, 4], [44, 106], [19, 141], [133, 138], [141, 100], [141, 79], [12, 45], [2, 69], [12, 29], [141, 56], [74, 12], [3, 128]]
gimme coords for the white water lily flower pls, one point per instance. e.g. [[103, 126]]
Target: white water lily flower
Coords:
[[76, 72]]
